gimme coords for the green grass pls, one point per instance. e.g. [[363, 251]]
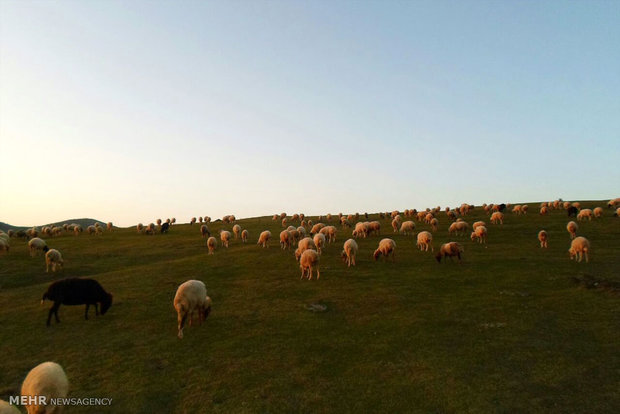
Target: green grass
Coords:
[[506, 331]]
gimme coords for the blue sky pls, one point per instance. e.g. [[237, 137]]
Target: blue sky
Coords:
[[133, 111]]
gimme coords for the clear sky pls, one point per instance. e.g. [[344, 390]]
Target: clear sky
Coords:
[[129, 111]]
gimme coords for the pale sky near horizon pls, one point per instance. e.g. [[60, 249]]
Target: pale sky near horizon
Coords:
[[129, 111]]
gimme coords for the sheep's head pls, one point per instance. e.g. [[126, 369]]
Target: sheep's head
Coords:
[[343, 256], [106, 303], [376, 254], [438, 257]]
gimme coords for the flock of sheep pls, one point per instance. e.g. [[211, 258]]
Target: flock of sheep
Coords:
[[191, 300]]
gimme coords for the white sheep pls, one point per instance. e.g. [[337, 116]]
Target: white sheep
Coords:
[[211, 244], [191, 297], [542, 238], [458, 227], [53, 259], [450, 250], [303, 245], [110, 226], [478, 224], [36, 246], [91, 230], [302, 232], [225, 237], [237, 231], [584, 213], [329, 232], [479, 233], [285, 240], [517, 209], [386, 248], [308, 262], [48, 380], [319, 242], [434, 224], [497, 217], [425, 240], [244, 236], [374, 228], [316, 228], [193, 221], [359, 230], [349, 252], [139, 227], [408, 227], [204, 231], [544, 210], [572, 228], [598, 212], [579, 247], [264, 238]]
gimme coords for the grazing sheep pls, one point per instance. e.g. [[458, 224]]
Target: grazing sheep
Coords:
[[110, 226], [36, 246], [264, 238], [316, 228], [53, 259], [284, 222], [579, 247], [458, 227], [479, 233], [4, 245], [329, 232], [48, 380], [200, 219], [598, 212], [225, 237], [140, 227], [434, 223], [544, 210], [204, 231], [478, 224], [308, 262], [193, 221], [150, 229], [303, 245], [572, 211], [285, 240], [497, 217], [374, 228], [164, 228], [244, 236], [191, 297], [211, 244], [566, 205], [76, 291], [386, 248], [543, 237], [517, 209], [91, 230], [360, 230], [425, 240], [159, 222], [617, 213], [408, 227], [207, 219], [613, 203], [237, 231], [450, 250], [302, 232], [572, 228], [349, 252], [525, 208], [585, 213], [319, 242]]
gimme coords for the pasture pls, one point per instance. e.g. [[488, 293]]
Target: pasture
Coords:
[[513, 328]]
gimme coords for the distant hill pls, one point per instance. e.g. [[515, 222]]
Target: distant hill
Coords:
[[84, 222]]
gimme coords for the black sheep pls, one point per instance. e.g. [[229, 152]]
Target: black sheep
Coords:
[[164, 228], [501, 207], [572, 211], [77, 291]]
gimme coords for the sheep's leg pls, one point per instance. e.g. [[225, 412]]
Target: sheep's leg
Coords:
[[318, 273], [86, 311], [181, 318], [53, 310], [96, 309]]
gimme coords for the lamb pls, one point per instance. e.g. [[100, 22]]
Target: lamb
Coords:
[[264, 237], [598, 212], [386, 248], [211, 244], [585, 213], [579, 247], [425, 240], [572, 228], [543, 237], [319, 242], [407, 228], [450, 250], [191, 297], [237, 231], [244, 236], [225, 237], [303, 245], [308, 262], [36, 246], [349, 252], [76, 291], [285, 239], [204, 231], [497, 217], [479, 233], [48, 380], [53, 259]]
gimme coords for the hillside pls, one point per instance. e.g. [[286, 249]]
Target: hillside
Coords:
[[84, 222], [513, 328]]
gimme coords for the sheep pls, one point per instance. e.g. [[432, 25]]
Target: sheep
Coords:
[[36, 246], [374, 227], [150, 229], [295, 235], [244, 236], [164, 228], [303, 245], [110, 226], [275, 217], [407, 227], [263, 238], [585, 213], [450, 250], [598, 212], [329, 232], [479, 233], [191, 297], [319, 242], [428, 218], [386, 248], [478, 224], [285, 239], [572, 211], [6, 408], [543, 237], [577, 205], [544, 210], [4, 245], [284, 222], [566, 205], [579, 247], [425, 240], [211, 244], [302, 232], [53, 259], [613, 203], [48, 380], [617, 213], [525, 208], [192, 221], [76, 291], [159, 222], [308, 262], [458, 227], [572, 228], [237, 231], [139, 227], [200, 219], [207, 219], [395, 225], [517, 209], [434, 224], [204, 231], [349, 252], [316, 228], [225, 237], [359, 230], [282, 216], [497, 217]]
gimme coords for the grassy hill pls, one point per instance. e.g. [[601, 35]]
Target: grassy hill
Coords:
[[514, 328], [84, 222]]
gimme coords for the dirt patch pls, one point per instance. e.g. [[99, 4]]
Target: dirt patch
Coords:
[[592, 282]]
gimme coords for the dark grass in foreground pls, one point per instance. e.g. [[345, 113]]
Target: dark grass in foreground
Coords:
[[512, 329]]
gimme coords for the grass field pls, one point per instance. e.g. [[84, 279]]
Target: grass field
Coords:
[[510, 330]]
